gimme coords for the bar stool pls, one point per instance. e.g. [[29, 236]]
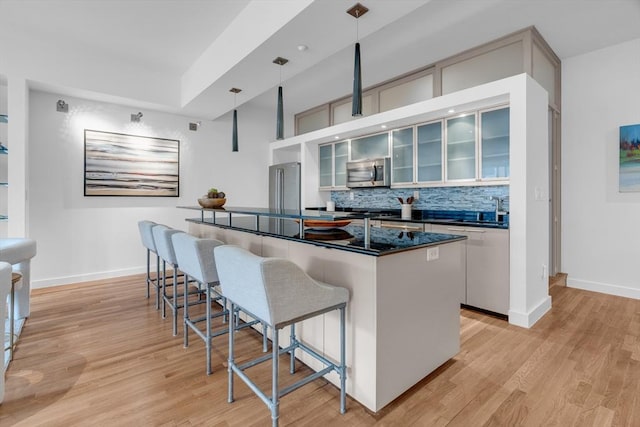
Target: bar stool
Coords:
[[18, 252], [162, 239], [5, 286], [279, 293], [146, 235], [15, 279], [195, 258]]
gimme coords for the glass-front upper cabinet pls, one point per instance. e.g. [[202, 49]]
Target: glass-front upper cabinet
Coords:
[[326, 165], [370, 147], [333, 164], [429, 152], [341, 155], [402, 161], [494, 148], [461, 148]]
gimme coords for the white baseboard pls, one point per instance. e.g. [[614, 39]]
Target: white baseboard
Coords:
[[66, 280], [604, 288], [527, 320]]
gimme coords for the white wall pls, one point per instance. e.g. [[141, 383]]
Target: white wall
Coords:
[[600, 235], [82, 238]]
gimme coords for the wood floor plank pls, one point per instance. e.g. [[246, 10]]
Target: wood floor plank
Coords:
[[99, 353]]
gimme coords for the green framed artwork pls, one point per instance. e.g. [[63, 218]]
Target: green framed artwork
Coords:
[[629, 174]]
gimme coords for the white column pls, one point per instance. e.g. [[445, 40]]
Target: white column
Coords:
[[528, 203]]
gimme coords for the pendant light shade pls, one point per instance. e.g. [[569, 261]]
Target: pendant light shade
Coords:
[[234, 126], [280, 116], [280, 109], [234, 132], [356, 100]]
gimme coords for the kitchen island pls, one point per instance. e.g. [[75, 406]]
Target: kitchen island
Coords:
[[403, 317]]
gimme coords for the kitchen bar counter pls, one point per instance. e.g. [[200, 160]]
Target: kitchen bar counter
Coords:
[[352, 238], [403, 316]]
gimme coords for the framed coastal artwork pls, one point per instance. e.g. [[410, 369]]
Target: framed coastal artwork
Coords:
[[117, 164], [629, 173]]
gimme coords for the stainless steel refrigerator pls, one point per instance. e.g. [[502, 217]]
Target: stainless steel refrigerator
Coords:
[[284, 186]]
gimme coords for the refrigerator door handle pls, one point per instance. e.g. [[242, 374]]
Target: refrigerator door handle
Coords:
[[280, 188]]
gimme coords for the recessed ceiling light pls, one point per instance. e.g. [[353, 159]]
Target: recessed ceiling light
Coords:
[[451, 110], [383, 126], [302, 47], [336, 137], [462, 115]]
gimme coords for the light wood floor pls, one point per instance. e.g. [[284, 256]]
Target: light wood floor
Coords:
[[100, 354]]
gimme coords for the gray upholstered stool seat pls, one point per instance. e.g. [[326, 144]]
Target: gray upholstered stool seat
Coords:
[[18, 252], [146, 235], [5, 288], [281, 294]]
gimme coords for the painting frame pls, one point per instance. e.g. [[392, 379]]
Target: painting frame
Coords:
[[124, 165], [629, 159]]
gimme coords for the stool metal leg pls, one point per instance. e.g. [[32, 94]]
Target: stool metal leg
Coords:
[[157, 282], [208, 324], [164, 288], [264, 337], [148, 272], [231, 355], [185, 311], [275, 393], [343, 368], [292, 362], [12, 320], [175, 300]]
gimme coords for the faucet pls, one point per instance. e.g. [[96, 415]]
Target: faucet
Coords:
[[500, 213]]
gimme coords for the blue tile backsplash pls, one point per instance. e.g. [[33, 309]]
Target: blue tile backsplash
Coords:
[[432, 198]]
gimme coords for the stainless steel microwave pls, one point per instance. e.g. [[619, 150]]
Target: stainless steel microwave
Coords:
[[369, 173]]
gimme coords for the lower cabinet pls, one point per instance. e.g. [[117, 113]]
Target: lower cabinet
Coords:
[[487, 266]]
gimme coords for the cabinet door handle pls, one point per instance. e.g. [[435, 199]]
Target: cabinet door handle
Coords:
[[466, 230], [403, 227]]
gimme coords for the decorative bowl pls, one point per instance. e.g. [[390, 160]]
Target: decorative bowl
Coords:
[[212, 203]]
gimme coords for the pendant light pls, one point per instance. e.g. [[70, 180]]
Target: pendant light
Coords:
[[280, 110], [356, 101], [234, 132]]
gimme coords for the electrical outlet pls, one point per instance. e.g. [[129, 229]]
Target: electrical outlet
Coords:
[[351, 195], [416, 195], [433, 253]]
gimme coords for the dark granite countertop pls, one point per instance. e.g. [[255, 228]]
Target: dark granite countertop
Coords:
[[383, 241], [449, 217]]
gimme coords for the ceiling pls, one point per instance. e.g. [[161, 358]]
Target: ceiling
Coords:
[[209, 46]]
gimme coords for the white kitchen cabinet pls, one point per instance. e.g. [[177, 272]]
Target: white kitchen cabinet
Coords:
[[487, 284]]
